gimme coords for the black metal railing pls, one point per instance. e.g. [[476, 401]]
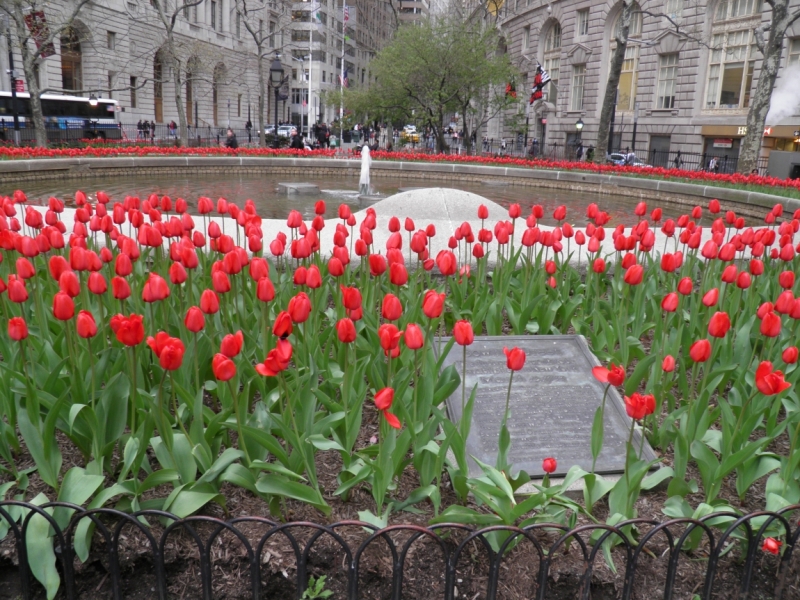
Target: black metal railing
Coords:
[[149, 550]]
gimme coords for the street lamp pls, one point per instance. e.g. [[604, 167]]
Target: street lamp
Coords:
[[579, 127], [276, 80], [92, 100]]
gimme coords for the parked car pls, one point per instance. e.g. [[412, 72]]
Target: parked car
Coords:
[[410, 134], [283, 130], [618, 158]]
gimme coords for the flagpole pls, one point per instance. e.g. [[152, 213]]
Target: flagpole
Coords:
[[310, 55]]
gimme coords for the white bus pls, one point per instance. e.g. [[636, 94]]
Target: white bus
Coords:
[[67, 118]]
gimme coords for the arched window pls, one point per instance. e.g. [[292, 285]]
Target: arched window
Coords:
[[732, 55], [552, 59], [629, 78], [71, 60], [158, 88]]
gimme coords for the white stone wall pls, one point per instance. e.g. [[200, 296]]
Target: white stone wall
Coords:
[[684, 123]]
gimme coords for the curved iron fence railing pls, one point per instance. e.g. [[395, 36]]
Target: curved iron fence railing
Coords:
[[723, 543]]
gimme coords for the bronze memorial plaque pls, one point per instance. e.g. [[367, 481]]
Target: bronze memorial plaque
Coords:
[[553, 403]]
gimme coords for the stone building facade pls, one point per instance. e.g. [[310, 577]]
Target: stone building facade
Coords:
[[691, 68], [114, 48]]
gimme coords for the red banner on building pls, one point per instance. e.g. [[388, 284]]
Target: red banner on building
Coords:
[[40, 31], [20, 85]]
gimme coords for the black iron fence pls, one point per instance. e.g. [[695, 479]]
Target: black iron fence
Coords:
[[154, 554]]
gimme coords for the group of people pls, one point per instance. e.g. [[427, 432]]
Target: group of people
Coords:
[[145, 129]]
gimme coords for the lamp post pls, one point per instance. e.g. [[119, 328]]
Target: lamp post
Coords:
[[635, 124], [579, 129], [92, 100], [276, 80]]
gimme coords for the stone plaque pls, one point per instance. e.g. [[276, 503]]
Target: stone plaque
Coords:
[[553, 403]]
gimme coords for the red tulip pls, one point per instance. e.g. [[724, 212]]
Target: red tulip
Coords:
[[786, 280], [789, 355], [711, 297], [17, 329], [634, 275], [223, 367], [97, 283], [447, 263], [515, 358], [599, 266], [265, 291], [771, 545], [729, 274], [389, 336], [770, 325], [483, 212], [770, 382], [713, 206], [668, 364], [319, 207], [282, 327], [220, 282], [549, 465], [85, 324], [346, 331], [670, 302], [384, 398], [638, 406], [232, 344], [129, 330], [615, 375], [169, 350], [69, 284], [277, 359], [156, 289], [413, 337], [719, 324], [700, 351], [433, 304], [685, 286], [392, 309], [194, 321], [299, 308], [63, 307], [743, 280], [120, 288], [351, 298], [209, 302], [766, 307], [463, 333]]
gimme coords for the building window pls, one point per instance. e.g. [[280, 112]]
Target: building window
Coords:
[[526, 37], [552, 65], [111, 40], [553, 39], [294, 74], [733, 9], [583, 22], [300, 96], [629, 77], [730, 73], [213, 15], [667, 75], [71, 60], [578, 74], [323, 77], [112, 77], [272, 26], [674, 8], [133, 92], [300, 35], [794, 52]]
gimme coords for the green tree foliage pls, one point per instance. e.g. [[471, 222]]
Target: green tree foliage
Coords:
[[432, 69]]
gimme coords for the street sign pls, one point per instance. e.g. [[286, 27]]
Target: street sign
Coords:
[[20, 85]]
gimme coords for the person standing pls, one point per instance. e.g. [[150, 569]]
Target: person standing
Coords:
[[579, 152], [152, 132], [249, 127], [231, 141]]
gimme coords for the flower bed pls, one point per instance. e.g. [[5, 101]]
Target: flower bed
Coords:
[[177, 361]]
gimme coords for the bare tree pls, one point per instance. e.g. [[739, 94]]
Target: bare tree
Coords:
[[17, 11], [769, 40], [610, 95]]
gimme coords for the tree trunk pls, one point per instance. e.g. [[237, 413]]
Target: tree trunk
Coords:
[[610, 96], [759, 105], [262, 142], [29, 68], [177, 80]]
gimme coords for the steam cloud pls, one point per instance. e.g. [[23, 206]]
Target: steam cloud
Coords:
[[785, 97]]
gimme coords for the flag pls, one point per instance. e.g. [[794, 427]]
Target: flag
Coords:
[[346, 13], [541, 79], [511, 90], [35, 20], [343, 79]]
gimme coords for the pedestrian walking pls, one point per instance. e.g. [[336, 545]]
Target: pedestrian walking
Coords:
[[152, 132], [678, 162]]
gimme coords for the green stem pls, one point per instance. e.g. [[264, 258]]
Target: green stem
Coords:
[[464, 381], [239, 430], [134, 391], [508, 399]]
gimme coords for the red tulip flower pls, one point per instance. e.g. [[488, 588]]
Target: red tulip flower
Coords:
[[156, 289], [194, 321], [69, 284], [599, 266], [120, 288], [633, 276], [299, 308], [377, 265], [97, 283], [685, 286], [670, 302], [232, 344], [391, 309], [209, 302], [770, 325], [169, 350], [614, 375], [700, 351], [383, 402], [668, 364], [638, 406], [129, 330], [719, 325], [413, 337], [770, 382], [711, 297], [789, 355], [265, 291], [515, 358], [433, 304], [346, 331], [277, 359], [771, 545], [85, 324], [549, 465], [282, 327], [786, 280], [17, 329], [398, 274], [389, 336], [223, 367], [63, 307], [447, 263], [463, 333]]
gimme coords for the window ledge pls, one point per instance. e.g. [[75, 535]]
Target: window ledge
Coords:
[[662, 112]]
